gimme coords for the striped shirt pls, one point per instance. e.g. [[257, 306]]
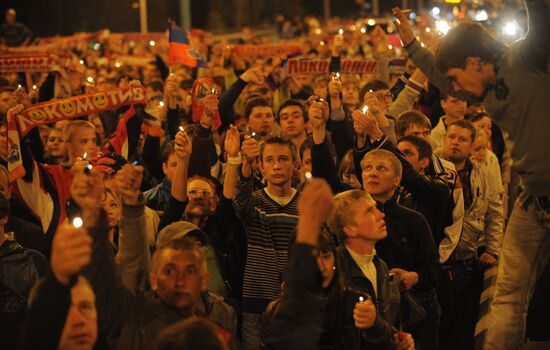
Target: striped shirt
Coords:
[[268, 226]]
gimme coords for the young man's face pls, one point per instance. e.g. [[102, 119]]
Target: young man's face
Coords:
[[55, 146], [277, 164], [201, 199], [306, 161], [418, 130], [379, 177], [410, 152], [291, 119], [454, 107], [80, 330], [112, 209], [368, 222], [479, 149], [84, 141], [457, 144], [261, 120], [178, 279], [325, 261], [170, 166], [469, 79], [350, 94]]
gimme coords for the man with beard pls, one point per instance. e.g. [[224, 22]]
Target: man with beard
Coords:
[[481, 238], [196, 200]]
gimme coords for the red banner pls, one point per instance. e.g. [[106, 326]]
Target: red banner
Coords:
[[30, 63], [266, 50], [20, 124], [298, 66]]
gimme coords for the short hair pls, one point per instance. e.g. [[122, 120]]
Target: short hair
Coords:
[[423, 147], [288, 103], [183, 244], [375, 85], [382, 153], [73, 126], [344, 211], [467, 39], [277, 140], [192, 333], [465, 124], [168, 151], [253, 103], [477, 116], [409, 118]]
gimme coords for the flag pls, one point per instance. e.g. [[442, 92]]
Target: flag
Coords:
[[180, 50]]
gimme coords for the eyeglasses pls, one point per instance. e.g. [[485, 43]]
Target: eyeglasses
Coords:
[[385, 97], [199, 193], [202, 93]]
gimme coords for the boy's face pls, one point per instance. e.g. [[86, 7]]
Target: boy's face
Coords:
[[170, 166], [367, 222], [291, 119], [261, 120], [469, 79], [277, 164], [379, 177], [83, 141]]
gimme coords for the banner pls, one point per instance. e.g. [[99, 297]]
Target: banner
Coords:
[[20, 124], [266, 50], [31, 63], [297, 66], [397, 67]]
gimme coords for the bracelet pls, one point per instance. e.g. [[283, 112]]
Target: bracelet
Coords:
[[234, 160]]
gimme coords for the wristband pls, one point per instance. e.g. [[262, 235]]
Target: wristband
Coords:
[[234, 160]]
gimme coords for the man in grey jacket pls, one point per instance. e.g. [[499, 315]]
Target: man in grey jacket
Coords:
[[513, 83]]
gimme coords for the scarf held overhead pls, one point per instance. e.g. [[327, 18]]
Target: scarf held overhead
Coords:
[[50, 112]]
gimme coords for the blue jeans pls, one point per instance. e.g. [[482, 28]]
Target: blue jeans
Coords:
[[525, 251]]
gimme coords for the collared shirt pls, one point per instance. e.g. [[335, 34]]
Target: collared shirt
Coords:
[[367, 266]]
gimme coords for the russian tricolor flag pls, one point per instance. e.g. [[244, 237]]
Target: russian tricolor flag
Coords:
[[180, 50]]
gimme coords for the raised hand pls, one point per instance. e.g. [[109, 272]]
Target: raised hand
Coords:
[[403, 341], [314, 207], [334, 89], [232, 143], [408, 278], [250, 149], [364, 314], [403, 26], [318, 113], [128, 183], [183, 146], [87, 191], [71, 251], [253, 76]]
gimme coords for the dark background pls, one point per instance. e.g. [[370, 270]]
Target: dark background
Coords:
[[65, 17]]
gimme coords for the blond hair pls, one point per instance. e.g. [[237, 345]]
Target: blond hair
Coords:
[[344, 211], [384, 154], [74, 126]]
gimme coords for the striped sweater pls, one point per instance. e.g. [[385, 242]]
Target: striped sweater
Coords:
[[268, 227]]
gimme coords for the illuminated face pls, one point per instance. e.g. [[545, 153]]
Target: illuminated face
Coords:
[[454, 107], [486, 125], [201, 199], [367, 221], [83, 141], [325, 261], [261, 120], [479, 149], [55, 146], [410, 152], [350, 94], [80, 330], [306, 161], [170, 166], [457, 144], [277, 164], [112, 208], [470, 79], [379, 177], [291, 119], [384, 97], [179, 279], [418, 130]]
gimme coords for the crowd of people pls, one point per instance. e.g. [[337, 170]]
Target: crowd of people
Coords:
[[235, 204]]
